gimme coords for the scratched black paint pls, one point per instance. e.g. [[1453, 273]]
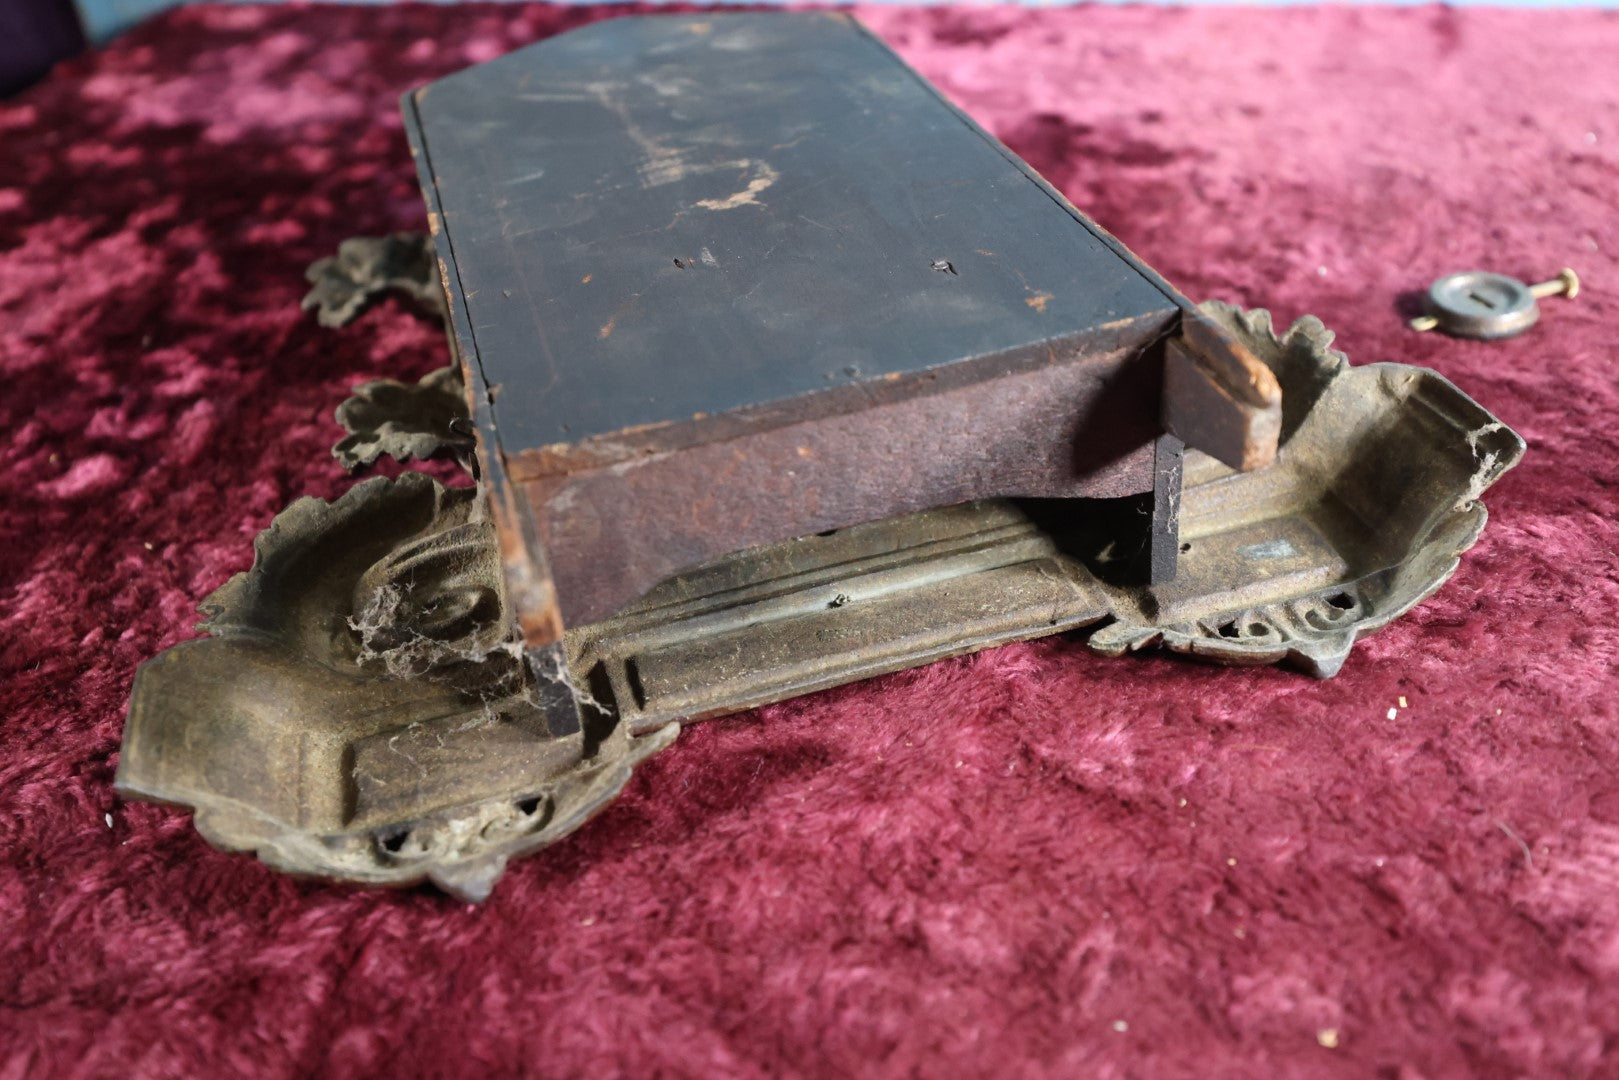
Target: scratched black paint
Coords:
[[661, 234]]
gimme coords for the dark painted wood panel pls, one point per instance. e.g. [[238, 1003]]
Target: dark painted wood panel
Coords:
[[720, 281], [662, 218], [613, 532]]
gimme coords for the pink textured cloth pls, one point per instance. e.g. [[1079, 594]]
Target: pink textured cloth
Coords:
[[1030, 862]]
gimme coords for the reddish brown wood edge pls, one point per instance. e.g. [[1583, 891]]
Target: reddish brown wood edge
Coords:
[[1070, 420]]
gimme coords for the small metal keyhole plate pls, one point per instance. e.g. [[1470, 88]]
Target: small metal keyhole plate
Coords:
[[1479, 304]]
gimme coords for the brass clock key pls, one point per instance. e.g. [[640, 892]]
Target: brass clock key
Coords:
[[1489, 307]]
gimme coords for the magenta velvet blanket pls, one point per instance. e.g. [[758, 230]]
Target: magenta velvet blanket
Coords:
[[1030, 862]]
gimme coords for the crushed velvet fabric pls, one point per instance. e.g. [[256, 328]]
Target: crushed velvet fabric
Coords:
[[1030, 862]]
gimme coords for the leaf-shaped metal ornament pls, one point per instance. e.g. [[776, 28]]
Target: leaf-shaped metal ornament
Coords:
[[406, 420], [364, 268]]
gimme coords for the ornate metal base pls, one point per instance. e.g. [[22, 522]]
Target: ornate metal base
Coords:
[[360, 712], [356, 711]]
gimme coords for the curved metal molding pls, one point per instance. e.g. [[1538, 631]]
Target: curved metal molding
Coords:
[[330, 747], [1373, 498]]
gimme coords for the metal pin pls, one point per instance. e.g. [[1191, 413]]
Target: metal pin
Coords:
[[1567, 284]]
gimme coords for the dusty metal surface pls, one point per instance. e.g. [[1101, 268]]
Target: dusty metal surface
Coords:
[[358, 711], [361, 710], [403, 421], [1373, 496]]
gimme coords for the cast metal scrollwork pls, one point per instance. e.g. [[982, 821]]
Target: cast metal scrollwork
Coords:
[[1340, 536], [405, 420], [358, 710], [362, 711]]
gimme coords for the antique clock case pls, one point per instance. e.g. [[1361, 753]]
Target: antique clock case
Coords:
[[774, 371]]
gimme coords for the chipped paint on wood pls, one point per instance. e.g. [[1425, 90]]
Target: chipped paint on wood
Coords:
[[748, 196], [819, 335]]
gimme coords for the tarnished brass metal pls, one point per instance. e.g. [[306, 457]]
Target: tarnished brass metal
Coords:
[[358, 710], [1373, 496], [361, 712], [406, 420], [1487, 306]]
